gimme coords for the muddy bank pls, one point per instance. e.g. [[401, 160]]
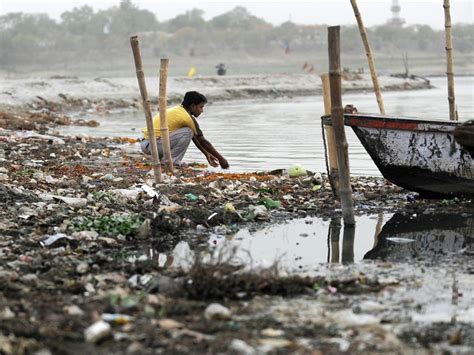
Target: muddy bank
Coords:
[[63, 94], [77, 274]]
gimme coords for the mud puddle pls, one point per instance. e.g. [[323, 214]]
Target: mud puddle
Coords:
[[301, 245]]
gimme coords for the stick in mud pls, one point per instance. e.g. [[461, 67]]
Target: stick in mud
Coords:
[[337, 114], [333, 173], [449, 58], [162, 100], [370, 58], [146, 107]]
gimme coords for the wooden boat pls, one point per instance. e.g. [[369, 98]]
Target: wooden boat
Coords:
[[418, 155], [464, 135]]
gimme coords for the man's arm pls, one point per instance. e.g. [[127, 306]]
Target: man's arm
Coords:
[[212, 155]]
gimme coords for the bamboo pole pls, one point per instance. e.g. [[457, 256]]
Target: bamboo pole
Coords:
[[165, 136], [335, 230], [331, 142], [370, 59], [155, 158], [347, 255], [449, 57], [337, 114]]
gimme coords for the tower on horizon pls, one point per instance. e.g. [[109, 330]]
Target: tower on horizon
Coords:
[[396, 20]]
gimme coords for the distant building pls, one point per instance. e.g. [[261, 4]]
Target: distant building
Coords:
[[396, 20]]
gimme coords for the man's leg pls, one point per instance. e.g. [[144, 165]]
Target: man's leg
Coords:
[[145, 147], [179, 142]]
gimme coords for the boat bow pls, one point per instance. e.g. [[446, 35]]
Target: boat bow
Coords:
[[419, 155]]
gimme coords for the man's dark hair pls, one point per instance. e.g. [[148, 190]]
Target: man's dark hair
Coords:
[[193, 97]]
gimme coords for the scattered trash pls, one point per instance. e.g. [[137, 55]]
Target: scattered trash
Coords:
[[116, 318], [241, 347], [82, 268], [259, 212], [151, 192], [296, 170], [109, 177], [192, 197], [73, 310], [269, 203], [131, 194], [6, 313], [216, 311], [273, 333], [170, 324], [97, 331], [72, 201], [229, 208], [212, 216], [57, 240]]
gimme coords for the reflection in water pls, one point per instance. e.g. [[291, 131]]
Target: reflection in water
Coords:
[[423, 235], [348, 244], [334, 230], [302, 244], [378, 227], [347, 255]]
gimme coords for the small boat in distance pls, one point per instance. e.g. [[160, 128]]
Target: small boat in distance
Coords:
[[418, 155]]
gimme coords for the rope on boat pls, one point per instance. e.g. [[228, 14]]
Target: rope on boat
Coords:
[[325, 148]]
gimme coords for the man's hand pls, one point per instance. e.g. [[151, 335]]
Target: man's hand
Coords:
[[224, 163], [211, 154], [213, 161]]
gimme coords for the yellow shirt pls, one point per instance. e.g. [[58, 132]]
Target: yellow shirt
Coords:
[[177, 117]]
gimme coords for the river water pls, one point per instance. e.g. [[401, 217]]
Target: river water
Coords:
[[267, 134]]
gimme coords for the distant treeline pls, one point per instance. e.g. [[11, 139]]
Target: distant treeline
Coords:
[[84, 36]]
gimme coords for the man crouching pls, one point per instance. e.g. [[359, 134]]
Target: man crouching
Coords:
[[183, 127]]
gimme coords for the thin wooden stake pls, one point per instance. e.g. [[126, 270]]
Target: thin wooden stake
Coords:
[[337, 114], [449, 57], [331, 142], [335, 230], [162, 100], [370, 59], [155, 158]]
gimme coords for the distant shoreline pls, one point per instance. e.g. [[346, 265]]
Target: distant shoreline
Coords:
[[68, 94]]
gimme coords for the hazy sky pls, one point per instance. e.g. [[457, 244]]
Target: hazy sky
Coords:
[[331, 12]]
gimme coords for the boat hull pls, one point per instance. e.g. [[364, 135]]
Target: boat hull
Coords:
[[419, 155], [464, 135]]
